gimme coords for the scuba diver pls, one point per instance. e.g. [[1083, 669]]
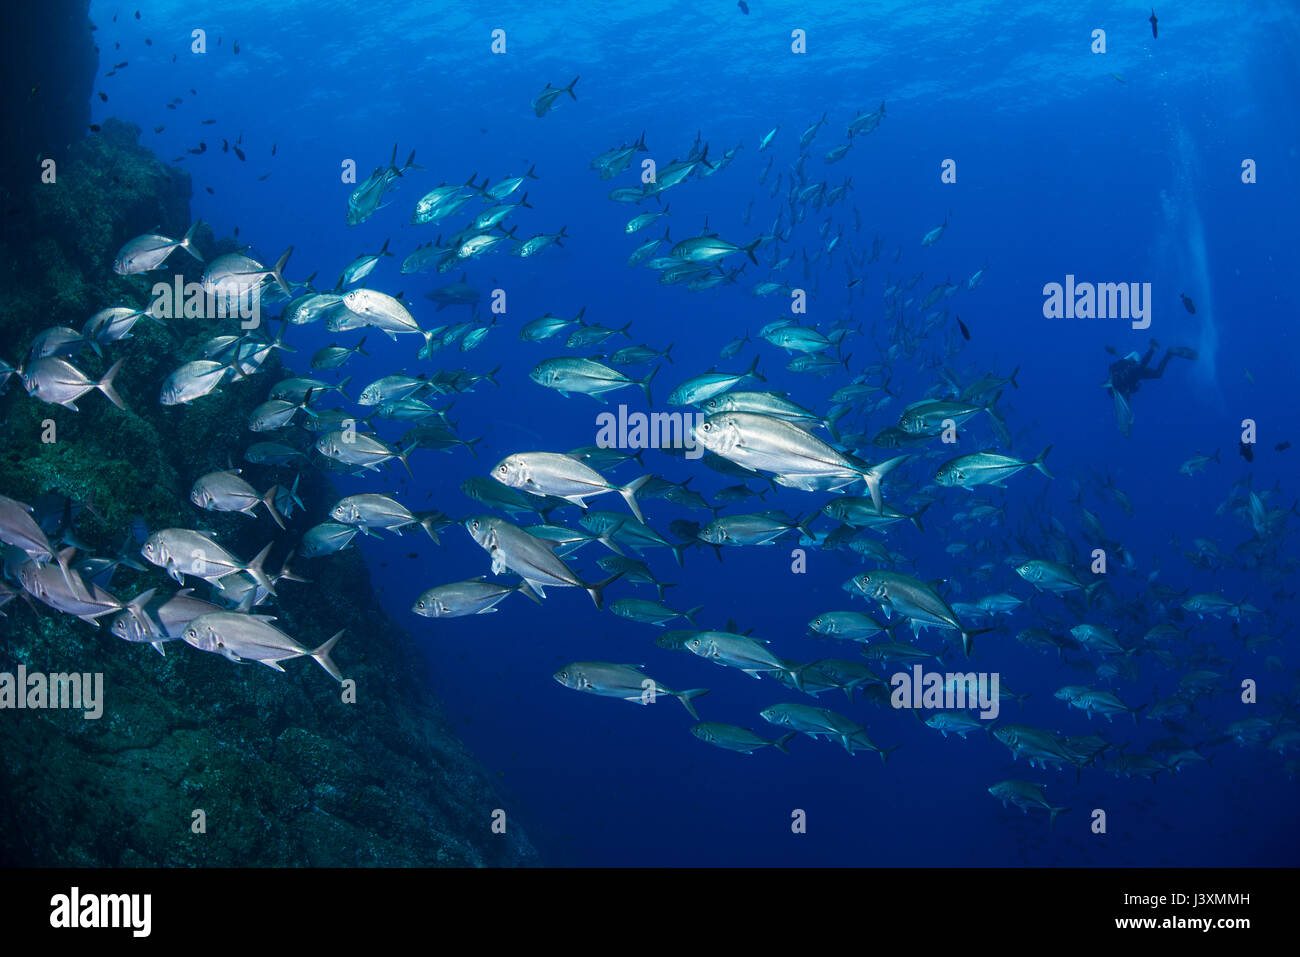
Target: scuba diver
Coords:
[[1127, 374]]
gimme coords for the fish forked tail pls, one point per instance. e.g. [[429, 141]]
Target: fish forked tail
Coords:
[[187, 241], [277, 273], [1040, 463], [645, 385], [322, 656], [915, 517], [873, 476], [968, 638], [401, 457], [569, 89], [105, 385], [690, 614], [781, 742], [257, 573], [1055, 811], [429, 521], [753, 372], [629, 491], [886, 752], [269, 501], [597, 591], [685, 697]]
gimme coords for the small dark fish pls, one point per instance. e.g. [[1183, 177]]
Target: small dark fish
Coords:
[[179, 99], [120, 66], [159, 129], [1247, 451], [241, 138], [236, 231], [273, 145], [111, 73], [194, 151], [173, 57], [262, 177], [103, 96], [412, 554], [148, 42], [94, 127], [171, 106], [965, 333], [137, 14], [117, 46], [178, 159], [207, 122], [1154, 21], [383, 564], [236, 46], [1281, 446], [36, 89], [209, 189], [744, 7], [193, 92], [225, 146], [1187, 303], [239, 153]]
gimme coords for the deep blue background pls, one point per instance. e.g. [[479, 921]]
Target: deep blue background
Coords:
[[1061, 169]]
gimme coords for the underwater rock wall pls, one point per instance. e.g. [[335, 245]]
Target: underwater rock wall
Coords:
[[48, 65], [284, 771]]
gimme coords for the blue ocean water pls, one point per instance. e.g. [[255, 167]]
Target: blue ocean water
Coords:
[[1117, 167]]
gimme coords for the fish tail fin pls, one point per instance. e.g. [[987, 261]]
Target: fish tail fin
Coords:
[[873, 476], [278, 272], [1055, 811], [629, 491], [470, 445], [492, 377], [1016, 385], [885, 753], [597, 591], [968, 638], [428, 522], [187, 241], [753, 371], [322, 656], [686, 697], [136, 605], [383, 250], [749, 250], [915, 517], [781, 742], [269, 501], [361, 351], [339, 388], [401, 457], [668, 352], [690, 614], [569, 89], [679, 550], [645, 386], [1040, 463], [258, 574], [105, 385]]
